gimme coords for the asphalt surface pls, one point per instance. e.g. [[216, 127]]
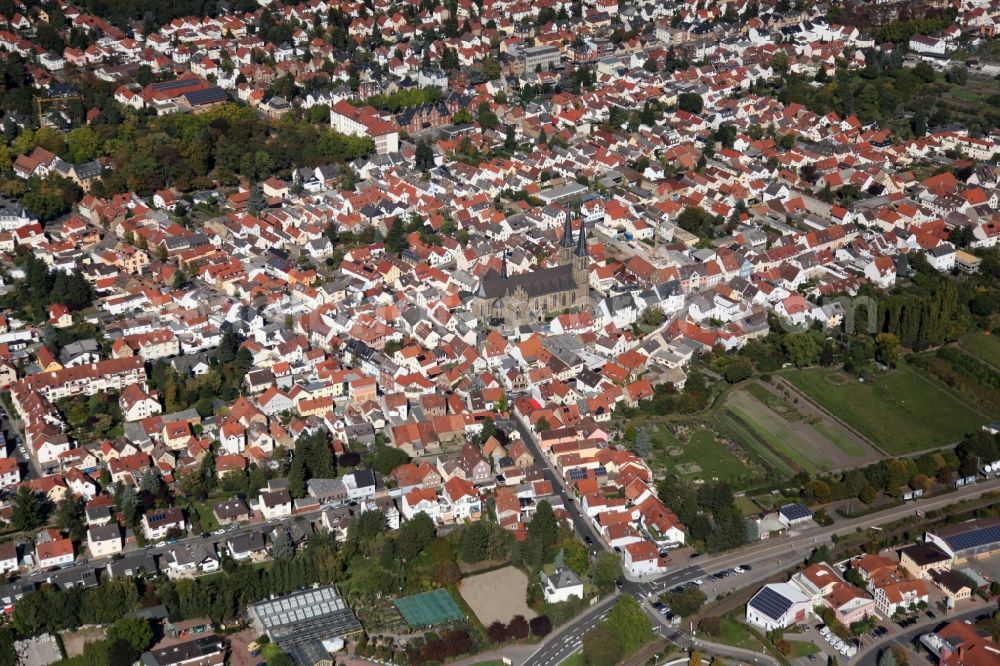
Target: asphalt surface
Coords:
[[765, 557], [581, 524], [869, 657], [218, 540]]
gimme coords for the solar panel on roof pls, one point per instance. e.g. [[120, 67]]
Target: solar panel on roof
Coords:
[[796, 511], [207, 96], [601, 471], [577, 474], [770, 603], [975, 538]]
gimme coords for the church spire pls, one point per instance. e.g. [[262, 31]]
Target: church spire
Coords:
[[567, 235], [581, 242], [503, 267]]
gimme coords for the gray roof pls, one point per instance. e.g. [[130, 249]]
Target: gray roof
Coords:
[[535, 283], [562, 579]]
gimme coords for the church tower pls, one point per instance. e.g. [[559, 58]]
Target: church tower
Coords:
[[581, 264], [566, 242]]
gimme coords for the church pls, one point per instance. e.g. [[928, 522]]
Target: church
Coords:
[[514, 300]]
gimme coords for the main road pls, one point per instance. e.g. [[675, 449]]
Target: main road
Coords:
[[765, 557]]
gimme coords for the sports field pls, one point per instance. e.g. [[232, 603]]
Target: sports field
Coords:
[[900, 411], [429, 608]]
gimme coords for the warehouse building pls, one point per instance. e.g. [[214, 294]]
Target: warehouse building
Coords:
[[975, 539]]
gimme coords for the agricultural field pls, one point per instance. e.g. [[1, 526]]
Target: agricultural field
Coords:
[[792, 430], [984, 345], [901, 411]]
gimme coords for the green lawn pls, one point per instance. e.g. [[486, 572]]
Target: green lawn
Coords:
[[900, 411], [206, 518], [802, 649], [986, 347], [575, 659], [701, 449], [738, 634], [746, 506], [836, 435]]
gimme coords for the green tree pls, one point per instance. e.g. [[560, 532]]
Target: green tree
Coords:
[[69, 518], [630, 623], [690, 102], [686, 602], [887, 349], [801, 349], [28, 509], [605, 571], [136, 632], [387, 459], [601, 646]]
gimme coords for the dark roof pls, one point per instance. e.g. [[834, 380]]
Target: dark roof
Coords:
[[182, 652], [212, 95], [972, 535], [770, 603], [924, 554], [536, 283], [795, 511]]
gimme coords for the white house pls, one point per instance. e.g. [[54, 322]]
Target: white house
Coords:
[[942, 257], [191, 559], [54, 553], [561, 585], [8, 558], [360, 485], [275, 505], [421, 499], [104, 540], [156, 523], [462, 498], [642, 559], [777, 605]]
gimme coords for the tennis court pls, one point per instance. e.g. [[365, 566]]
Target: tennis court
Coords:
[[429, 608]]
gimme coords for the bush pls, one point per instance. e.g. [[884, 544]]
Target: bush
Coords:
[[541, 626], [711, 626]]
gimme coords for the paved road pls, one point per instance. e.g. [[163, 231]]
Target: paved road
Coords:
[[766, 557], [219, 541], [581, 524]]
